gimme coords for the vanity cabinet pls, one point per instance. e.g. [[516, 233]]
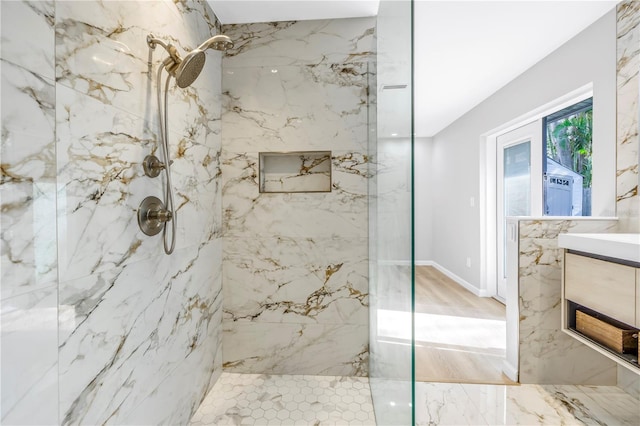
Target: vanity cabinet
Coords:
[[601, 279], [604, 288]]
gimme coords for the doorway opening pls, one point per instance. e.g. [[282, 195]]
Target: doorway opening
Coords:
[[522, 175]]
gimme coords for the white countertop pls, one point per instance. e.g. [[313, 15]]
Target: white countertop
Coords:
[[618, 246]]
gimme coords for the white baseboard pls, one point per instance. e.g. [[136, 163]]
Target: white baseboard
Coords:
[[510, 371], [473, 289]]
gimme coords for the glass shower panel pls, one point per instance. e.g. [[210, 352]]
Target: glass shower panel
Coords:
[[390, 217]]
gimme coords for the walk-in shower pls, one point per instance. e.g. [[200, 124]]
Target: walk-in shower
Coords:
[[153, 214]]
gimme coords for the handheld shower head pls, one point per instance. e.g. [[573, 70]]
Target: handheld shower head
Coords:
[[218, 42], [188, 69]]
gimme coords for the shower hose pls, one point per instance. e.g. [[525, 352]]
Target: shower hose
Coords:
[[164, 143]]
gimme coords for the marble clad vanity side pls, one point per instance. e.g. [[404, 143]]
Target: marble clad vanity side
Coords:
[[628, 144], [547, 355], [295, 266]]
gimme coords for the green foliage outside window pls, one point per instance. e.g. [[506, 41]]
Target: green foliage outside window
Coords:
[[569, 143]]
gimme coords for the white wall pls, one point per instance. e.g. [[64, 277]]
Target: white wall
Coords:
[[454, 161], [423, 199]]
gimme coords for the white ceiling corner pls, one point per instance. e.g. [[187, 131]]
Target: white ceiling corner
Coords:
[[460, 46], [247, 11], [466, 51]]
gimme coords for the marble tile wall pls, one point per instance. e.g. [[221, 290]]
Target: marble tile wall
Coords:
[[628, 82], [295, 264], [28, 259], [547, 355], [628, 144], [110, 328]]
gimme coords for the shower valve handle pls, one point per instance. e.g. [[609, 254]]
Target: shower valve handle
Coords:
[[153, 166], [152, 215], [159, 215]]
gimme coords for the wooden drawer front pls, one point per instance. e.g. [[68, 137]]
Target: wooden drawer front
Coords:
[[605, 287]]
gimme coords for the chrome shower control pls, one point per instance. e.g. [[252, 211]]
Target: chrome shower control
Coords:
[[152, 166], [152, 216]]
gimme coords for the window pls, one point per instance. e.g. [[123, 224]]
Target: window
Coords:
[[567, 172]]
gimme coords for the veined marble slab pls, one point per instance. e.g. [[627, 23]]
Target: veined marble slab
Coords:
[[340, 213], [27, 191], [140, 332], [294, 268], [296, 280], [301, 42], [101, 51], [102, 183], [319, 349], [296, 108], [152, 322], [28, 35], [628, 84], [30, 358]]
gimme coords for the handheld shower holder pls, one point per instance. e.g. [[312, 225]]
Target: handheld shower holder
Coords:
[[152, 41]]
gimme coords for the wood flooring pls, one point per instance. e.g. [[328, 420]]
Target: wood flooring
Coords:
[[460, 337]]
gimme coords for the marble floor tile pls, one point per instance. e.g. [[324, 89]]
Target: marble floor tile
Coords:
[[239, 399], [538, 405]]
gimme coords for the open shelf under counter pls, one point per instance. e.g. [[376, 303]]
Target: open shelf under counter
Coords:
[[604, 287], [628, 360]]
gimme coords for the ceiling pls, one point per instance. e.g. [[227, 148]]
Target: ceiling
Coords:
[[464, 50], [245, 11]]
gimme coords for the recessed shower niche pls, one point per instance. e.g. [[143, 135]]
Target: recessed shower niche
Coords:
[[299, 171]]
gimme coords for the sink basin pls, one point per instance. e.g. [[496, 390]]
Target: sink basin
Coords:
[[617, 246]]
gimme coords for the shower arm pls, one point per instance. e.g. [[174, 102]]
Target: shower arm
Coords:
[[174, 59], [153, 40]]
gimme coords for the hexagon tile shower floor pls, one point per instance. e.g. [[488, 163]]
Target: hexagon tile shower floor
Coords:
[[262, 399]]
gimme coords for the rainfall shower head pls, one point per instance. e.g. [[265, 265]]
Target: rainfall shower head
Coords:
[[188, 69], [191, 66]]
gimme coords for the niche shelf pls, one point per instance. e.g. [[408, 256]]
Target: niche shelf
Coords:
[[299, 171]]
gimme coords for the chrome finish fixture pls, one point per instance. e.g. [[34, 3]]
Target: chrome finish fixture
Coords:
[[152, 216], [152, 166]]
